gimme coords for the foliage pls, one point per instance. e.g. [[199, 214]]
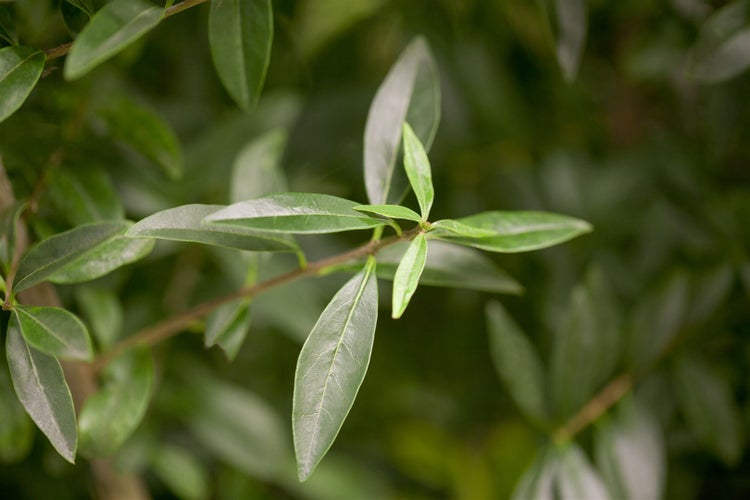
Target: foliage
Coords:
[[162, 193]]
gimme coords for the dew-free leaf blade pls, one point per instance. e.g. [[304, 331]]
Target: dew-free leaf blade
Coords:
[[410, 92], [181, 472], [55, 332], [577, 478], [256, 171], [538, 480], [17, 431], [84, 195], [184, 223], [20, 69], [331, 367], [571, 37], [301, 213], [111, 29], [41, 388], [723, 47], [240, 35], [460, 229], [227, 327], [406, 279], [111, 415], [517, 363], [390, 211], [417, 167], [517, 231]]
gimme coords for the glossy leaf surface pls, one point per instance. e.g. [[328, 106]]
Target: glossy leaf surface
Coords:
[[417, 167], [390, 211], [20, 69], [54, 331], [406, 279], [331, 367]]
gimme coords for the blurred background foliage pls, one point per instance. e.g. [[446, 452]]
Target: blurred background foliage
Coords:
[[648, 142]]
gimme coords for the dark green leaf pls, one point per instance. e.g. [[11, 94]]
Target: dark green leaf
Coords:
[[302, 213], [9, 219], [709, 293], [17, 432], [390, 211], [20, 69], [518, 231], [417, 168], [85, 6], [240, 33], [571, 37], [256, 170], [146, 132], [723, 48], [181, 472], [111, 415], [101, 309], [517, 363], [112, 29], [410, 93], [43, 392], [331, 367], [709, 408], [74, 16], [7, 23], [54, 331], [406, 279], [84, 195], [577, 478], [185, 224], [227, 326]]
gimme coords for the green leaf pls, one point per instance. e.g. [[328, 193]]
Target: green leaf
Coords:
[[84, 195], [723, 47], [41, 388], [709, 407], [75, 15], [539, 479], [240, 34], [54, 331], [571, 37], [517, 231], [331, 367], [181, 472], [410, 93], [111, 415], [146, 132], [82, 253], [185, 224], [20, 69], [85, 6], [577, 478], [8, 225], [460, 229], [406, 279], [117, 25], [17, 432], [7, 24], [227, 326], [390, 211], [418, 171], [256, 170], [302, 213], [101, 309], [517, 363]]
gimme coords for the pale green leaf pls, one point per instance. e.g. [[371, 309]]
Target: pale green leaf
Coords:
[[331, 367], [571, 35], [117, 25], [16, 432], [84, 195], [723, 47], [227, 326], [240, 34], [185, 224], [460, 229], [20, 69], [54, 331], [538, 480], [41, 388], [417, 167], [101, 309], [302, 213], [517, 231], [577, 478], [406, 279], [390, 211], [181, 472], [111, 415], [517, 363], [410, 93], [256, 171]]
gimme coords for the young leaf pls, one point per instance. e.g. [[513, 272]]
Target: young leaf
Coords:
[[82, 253], [181, 472], [406, 279], [417, 168], [302, 213], [240, 33], [20, 69], [111, 415], [577, 478], [84, 195], [117, 25], [517, 231], [43, 392], [331, 367], [227, 327], [410, 93], [390, 211], [460, 229], [54, 331], [185, 224], [256, 171], [146, 132], [17, 432], [517, 363], [571, 37], [723, 47]]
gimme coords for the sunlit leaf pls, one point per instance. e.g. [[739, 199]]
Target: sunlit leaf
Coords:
[[40, 386], [410, 93], [571, 37], [181, 472], [294, 213], [111, 415], [240, 33], [54, 331], [113, 28], [417, 168], [331, 367], [20, 69], [406, 278], [390, 211]]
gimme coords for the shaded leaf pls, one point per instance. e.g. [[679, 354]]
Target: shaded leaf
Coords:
[[101, 309], [240, 33], [41, 388], [7, 23], [538, 480], [571, 37], [302, 213], [83, 196], [111, 415], [17, 432], [517, 363], [185, 224], [86, 6], [390, 211], [406, 278], [409, 93], [577, 478], [256, 169], [331, 367], [417, 168], [117, 25], [54, 331], [74, 15], [20, 69], [709, 293], [723, 47], [517, 231], [227, 326], [181, 472], [8, 225]]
